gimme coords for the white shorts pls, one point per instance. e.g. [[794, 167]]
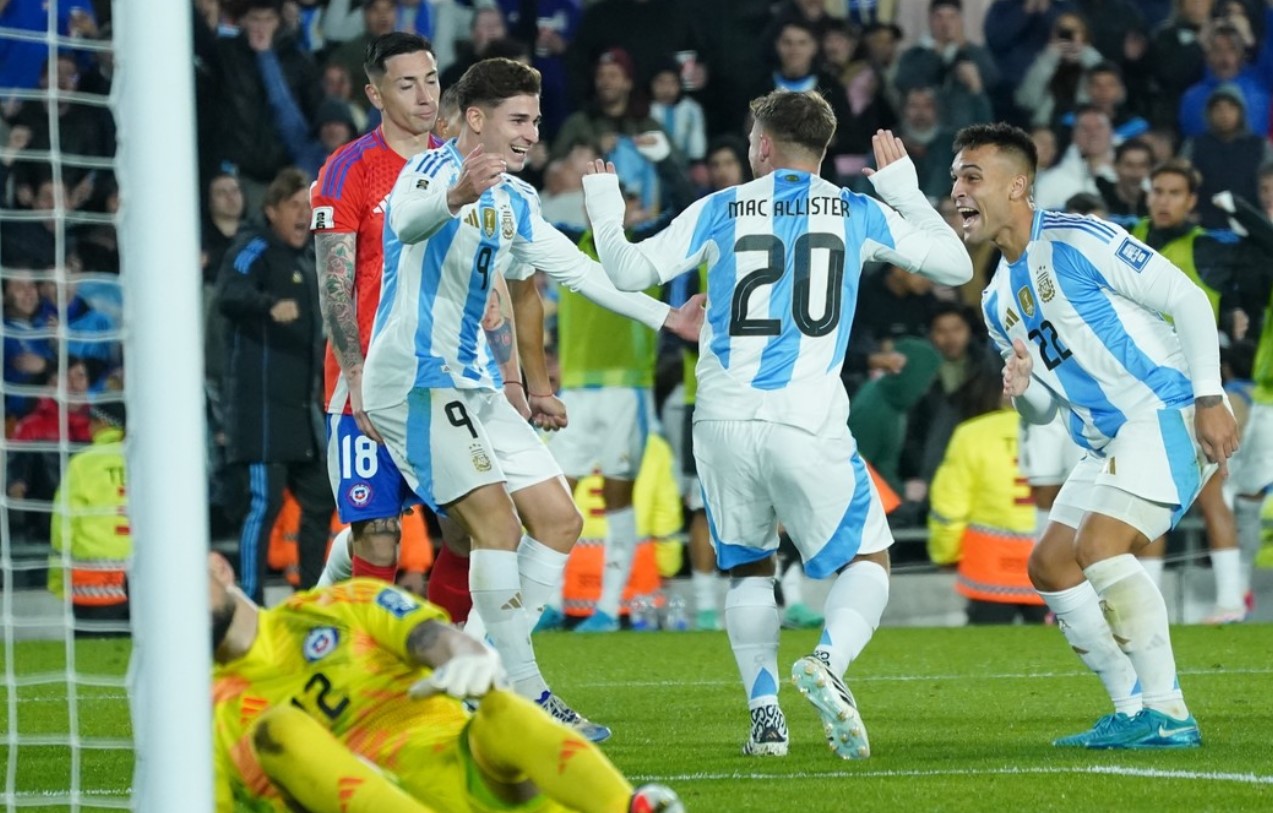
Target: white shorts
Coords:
[[1048, 453], [756, 474], [1147, 476], [1251, 469], [607, 431], [448, 442]]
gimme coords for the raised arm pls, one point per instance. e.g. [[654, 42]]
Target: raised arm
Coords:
[[420, 205], [921, 240]]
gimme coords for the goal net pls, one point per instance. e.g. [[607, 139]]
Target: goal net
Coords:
[[103, 510]]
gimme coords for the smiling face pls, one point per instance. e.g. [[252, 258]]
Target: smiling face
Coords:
[[988, 183], [509, 128]]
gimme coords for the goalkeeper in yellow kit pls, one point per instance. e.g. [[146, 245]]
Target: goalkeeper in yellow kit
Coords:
[[347, 699]]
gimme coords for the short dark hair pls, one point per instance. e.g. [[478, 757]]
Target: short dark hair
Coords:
[[949, 308], [491, 81], [1085, 203], [288, 182], [1004, 137], [1181, 167], [1266, 170], [386, 46], [507, 47], [1131, 145], [1105, 66], [802, 118]]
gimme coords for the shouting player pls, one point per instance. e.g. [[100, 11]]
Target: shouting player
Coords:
[[1076, 307], [348, 222], [771, 438], [310, 692], [456, 224]]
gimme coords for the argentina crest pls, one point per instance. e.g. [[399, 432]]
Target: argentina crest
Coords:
[[506, 225], [1026, 298], [488, 221], [1043, 281]]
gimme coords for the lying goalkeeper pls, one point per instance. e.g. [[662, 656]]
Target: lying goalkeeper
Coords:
[[321, 700]]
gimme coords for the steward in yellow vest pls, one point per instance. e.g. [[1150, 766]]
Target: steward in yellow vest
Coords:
[[91, 537]]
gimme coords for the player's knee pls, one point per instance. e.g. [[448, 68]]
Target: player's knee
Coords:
[[376, 540], [277, 729], [1047, 569]]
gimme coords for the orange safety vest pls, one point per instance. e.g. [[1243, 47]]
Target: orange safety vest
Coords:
[[97, 583], [993, 567], [582, 586]]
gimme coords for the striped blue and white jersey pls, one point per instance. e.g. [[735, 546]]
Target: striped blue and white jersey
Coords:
[[438, 272], [1089, 302], [784, 255]]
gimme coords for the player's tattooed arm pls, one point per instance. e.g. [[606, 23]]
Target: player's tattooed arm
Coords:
[[336, 262], [433, 643]]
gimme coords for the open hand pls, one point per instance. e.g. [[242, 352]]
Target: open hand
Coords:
[[599, 166], [1016, 371], [888, 149]]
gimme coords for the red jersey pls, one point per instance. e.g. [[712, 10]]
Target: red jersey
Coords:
[[350, 196]]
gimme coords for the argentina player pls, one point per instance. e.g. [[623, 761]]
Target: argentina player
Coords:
[[1077, 308], [784, 255]]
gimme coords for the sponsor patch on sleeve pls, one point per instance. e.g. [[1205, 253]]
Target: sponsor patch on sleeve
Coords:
[[1134, 254], [397, 602], [324, 218]]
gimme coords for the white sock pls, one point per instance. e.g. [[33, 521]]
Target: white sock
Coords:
[[1042, 516], [853, 609], [751, 619], [1247, 515], [793, 585], [475, 626], [620, 548], [1153, 566], [1226, 566], [1137, 615], [1078, 615], [704, 591], [541, 568], [340, 562], [497, 597]]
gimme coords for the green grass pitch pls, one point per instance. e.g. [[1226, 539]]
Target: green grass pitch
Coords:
[[959, 719]]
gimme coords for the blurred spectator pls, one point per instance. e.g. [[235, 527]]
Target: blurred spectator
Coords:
[[838, 47], [1045, 143], [20, 60], [1266, 190], [1226, 63], [981, 516], [1125, 195], [681, 116], [31, 243], [1090, 156], [1176, 58], [647, 30], [945, 60], [809, 13], [487, 27], [91, 536], [28, 359], [1050, 87], [928, 142], [1162, 140], [880, 50], [304, 19], [1085, 203], [248, 134], [617, 122], [550, 26], [796, 47], [269, 295], [727, 163], [1103, 89], [338, 85], [1228, 155], [379, 17], [893, 303], [1116, 27], [953, 330], [562, 201], [345, 21], [1218, 262], [1016, 32], [83, 130]]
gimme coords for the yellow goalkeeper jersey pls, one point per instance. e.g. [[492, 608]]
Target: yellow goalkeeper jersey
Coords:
[[340, 654]]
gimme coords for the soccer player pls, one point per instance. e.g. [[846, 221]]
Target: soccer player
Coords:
[[784, 255], [311, 694], [348, 203], [1076, 307], [456, 224]]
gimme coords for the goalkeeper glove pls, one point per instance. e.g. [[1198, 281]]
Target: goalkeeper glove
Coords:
[[464, 676]]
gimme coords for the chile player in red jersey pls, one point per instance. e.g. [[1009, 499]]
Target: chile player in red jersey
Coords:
[[348, 201]]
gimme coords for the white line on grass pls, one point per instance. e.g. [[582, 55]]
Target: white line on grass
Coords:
[[1115, 770], [911, 678]]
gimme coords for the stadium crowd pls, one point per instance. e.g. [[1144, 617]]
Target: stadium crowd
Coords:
[[1117, 94]]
